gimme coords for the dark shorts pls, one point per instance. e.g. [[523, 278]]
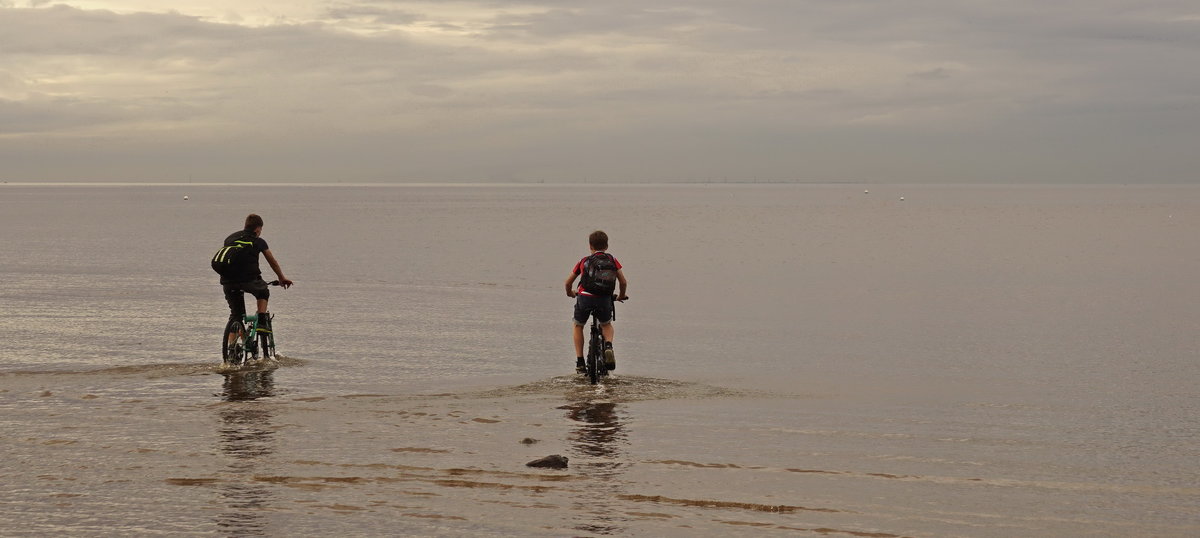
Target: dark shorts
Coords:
[[233, 295], [587, 305]]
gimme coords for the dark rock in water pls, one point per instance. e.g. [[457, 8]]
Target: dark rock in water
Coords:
[[550, 462], [528, 441]]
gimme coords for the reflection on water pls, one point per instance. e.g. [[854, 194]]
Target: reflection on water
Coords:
[[246, 437], [599, 442], [247, 386], [600, 433]]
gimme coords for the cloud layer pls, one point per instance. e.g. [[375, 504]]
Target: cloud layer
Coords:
[[855, 90]]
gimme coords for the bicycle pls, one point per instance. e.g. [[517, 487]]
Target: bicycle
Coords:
[[243, 339], [594, 366]]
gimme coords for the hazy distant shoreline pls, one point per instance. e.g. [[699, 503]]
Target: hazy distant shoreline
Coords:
[[578, 184]]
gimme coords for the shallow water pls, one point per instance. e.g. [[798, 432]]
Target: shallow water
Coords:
[[972, 361]]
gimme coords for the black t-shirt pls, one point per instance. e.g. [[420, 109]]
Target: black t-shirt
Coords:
[[251, 272]]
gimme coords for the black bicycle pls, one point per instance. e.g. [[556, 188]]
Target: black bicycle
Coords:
[[248, 338], [595, 366]]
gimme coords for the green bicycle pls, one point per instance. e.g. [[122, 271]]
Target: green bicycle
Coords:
[[245, 339]]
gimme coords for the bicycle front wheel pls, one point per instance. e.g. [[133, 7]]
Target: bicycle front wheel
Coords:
[[266, 344], [233, 347]]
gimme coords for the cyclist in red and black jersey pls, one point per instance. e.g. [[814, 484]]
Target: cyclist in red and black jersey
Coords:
[[594, 295]]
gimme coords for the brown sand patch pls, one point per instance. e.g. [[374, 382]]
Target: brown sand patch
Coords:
[[60, 442], [824, 530], [343, 479], [815, 471], [700, 465], [652, 514], [191, 481], [341, 507], [776, 508], [747, 523], [488, 485], [433, 516], [421, 450], [893, 476]]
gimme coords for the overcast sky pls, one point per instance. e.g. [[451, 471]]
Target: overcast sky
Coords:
[[600, 90]]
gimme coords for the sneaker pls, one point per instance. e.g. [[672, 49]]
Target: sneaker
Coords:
[[580, 368], [264, 322], [610, 360]]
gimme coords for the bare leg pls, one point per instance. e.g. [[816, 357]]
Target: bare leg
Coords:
[[577, 333], [607, 331], [262, 306]]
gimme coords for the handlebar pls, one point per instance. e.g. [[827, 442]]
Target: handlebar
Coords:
[[616, 300]]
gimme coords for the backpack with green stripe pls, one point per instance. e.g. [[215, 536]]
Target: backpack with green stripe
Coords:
[[235, 256]]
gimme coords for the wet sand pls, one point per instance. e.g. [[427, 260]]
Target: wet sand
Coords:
[[647, 456]]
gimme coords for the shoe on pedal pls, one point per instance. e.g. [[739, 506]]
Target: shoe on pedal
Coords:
[[580, 368], [264, 322], [610, 360]]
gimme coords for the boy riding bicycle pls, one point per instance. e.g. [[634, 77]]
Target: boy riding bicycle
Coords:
[[599, 275]]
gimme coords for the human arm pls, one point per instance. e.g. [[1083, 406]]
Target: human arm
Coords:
[[283, 280], [622, 285], [570, 283]]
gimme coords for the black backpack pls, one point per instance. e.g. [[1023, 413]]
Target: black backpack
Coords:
[[599, 274], [235, 256]]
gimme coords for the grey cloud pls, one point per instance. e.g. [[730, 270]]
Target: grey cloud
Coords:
[[50, 114], [65, 31], [668, 90], [430, 90], [939, 73], [598, 18], [375, 14]]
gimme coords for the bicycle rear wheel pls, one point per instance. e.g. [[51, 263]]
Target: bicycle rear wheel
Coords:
[[595, 348], [601, 366], [233, 346]]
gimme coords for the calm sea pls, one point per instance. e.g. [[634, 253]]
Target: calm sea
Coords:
[[794, 360]]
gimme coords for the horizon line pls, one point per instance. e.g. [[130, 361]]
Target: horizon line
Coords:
[[426, 184]]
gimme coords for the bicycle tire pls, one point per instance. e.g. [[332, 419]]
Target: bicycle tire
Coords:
[[595, 347], [233, 352], [601, 366], [265, 345]]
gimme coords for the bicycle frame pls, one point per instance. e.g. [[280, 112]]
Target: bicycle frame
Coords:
[[249, 341], [259, 340], [596, 368]]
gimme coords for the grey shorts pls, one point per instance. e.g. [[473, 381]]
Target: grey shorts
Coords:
[[588, 305]]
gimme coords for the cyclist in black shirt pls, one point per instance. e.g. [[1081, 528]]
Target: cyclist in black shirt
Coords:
[[248, 278]]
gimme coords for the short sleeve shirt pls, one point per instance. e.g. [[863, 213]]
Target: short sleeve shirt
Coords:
[[252, 272], [578, 270]]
